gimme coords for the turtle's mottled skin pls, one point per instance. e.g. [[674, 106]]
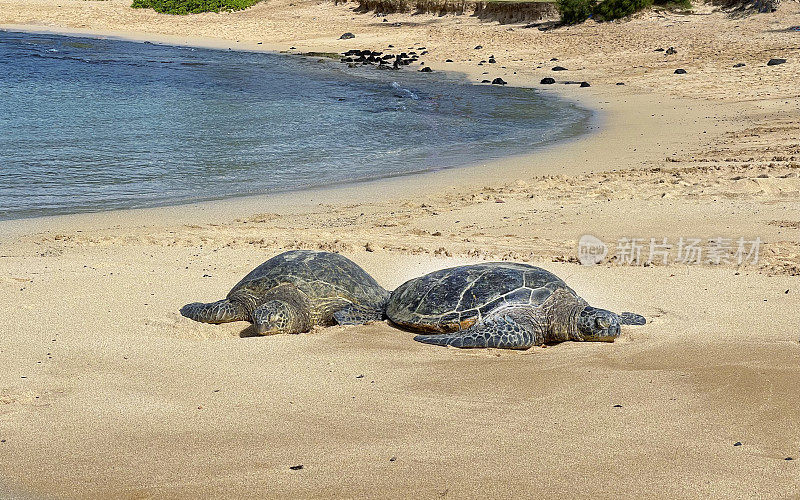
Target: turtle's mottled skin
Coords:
[[499, 304], [296, 290]]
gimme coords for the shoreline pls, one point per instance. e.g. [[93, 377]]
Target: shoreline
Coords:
[[608, 124], [368, 190]]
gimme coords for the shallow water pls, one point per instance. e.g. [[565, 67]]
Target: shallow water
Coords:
[[90, 125]]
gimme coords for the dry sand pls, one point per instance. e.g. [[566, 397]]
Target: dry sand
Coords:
[[107, 392]]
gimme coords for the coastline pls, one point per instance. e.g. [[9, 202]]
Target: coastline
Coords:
[[396, 186], [576, 155], [108, 391]]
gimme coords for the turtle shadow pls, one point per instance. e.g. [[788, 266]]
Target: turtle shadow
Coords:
[[248, 332]]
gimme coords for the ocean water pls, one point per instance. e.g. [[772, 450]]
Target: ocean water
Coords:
[[96, 124]]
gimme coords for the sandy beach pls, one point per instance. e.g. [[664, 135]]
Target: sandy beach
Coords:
[[107, 391]]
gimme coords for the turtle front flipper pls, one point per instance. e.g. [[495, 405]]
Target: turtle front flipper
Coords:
[[356, 314], [221, 311], [629, 318], [501, 331]]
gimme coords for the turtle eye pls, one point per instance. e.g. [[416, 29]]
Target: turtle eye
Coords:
[[602, 322]]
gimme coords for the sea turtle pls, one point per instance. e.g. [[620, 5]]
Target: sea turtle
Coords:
[[296, 290], [499, 304]]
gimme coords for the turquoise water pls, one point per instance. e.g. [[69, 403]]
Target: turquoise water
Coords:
[[95, 124]]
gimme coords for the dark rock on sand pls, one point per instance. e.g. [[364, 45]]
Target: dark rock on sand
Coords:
[[775, 62], [347, 36], [739, 65], [659, 50], [448, 60], [426, 69], [585, 84], [671, 51], [486, 81], [680, 71], [498, 81], [620, 83], [547, 81], [559, 68]]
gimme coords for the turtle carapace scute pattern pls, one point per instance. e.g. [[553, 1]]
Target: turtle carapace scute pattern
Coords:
[[295, 291], [501, 305]]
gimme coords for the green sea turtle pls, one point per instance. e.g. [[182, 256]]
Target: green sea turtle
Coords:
[[296, 290], [499, 304]]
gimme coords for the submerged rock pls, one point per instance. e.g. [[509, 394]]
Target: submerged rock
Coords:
[[498, 81]]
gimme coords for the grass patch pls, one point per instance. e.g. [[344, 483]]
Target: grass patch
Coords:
[[183, 7]]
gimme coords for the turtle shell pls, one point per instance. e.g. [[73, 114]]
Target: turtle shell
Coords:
[[454, 299], [324, 277]]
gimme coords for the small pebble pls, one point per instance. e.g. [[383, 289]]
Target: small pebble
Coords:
[[296, 467], [393, 459], [737, 443], [617, 406], [680, 71], [359, 376]]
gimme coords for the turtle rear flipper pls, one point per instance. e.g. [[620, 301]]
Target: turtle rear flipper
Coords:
[[629, 318], [221, 311], [356, 314], [501, 331]]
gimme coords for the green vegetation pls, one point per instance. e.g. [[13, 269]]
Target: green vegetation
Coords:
[[193, 6], [608, 10], [577, 11]]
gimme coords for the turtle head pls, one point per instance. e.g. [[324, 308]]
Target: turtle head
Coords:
[[598, 325], [280, 316]]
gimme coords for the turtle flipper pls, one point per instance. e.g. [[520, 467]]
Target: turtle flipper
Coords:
[[221, 311], [501, 331], [629, 318], [356, 314]]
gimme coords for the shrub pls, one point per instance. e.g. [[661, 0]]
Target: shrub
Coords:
[[574, 11], [577, 11], [608, 10], [192, 6]]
